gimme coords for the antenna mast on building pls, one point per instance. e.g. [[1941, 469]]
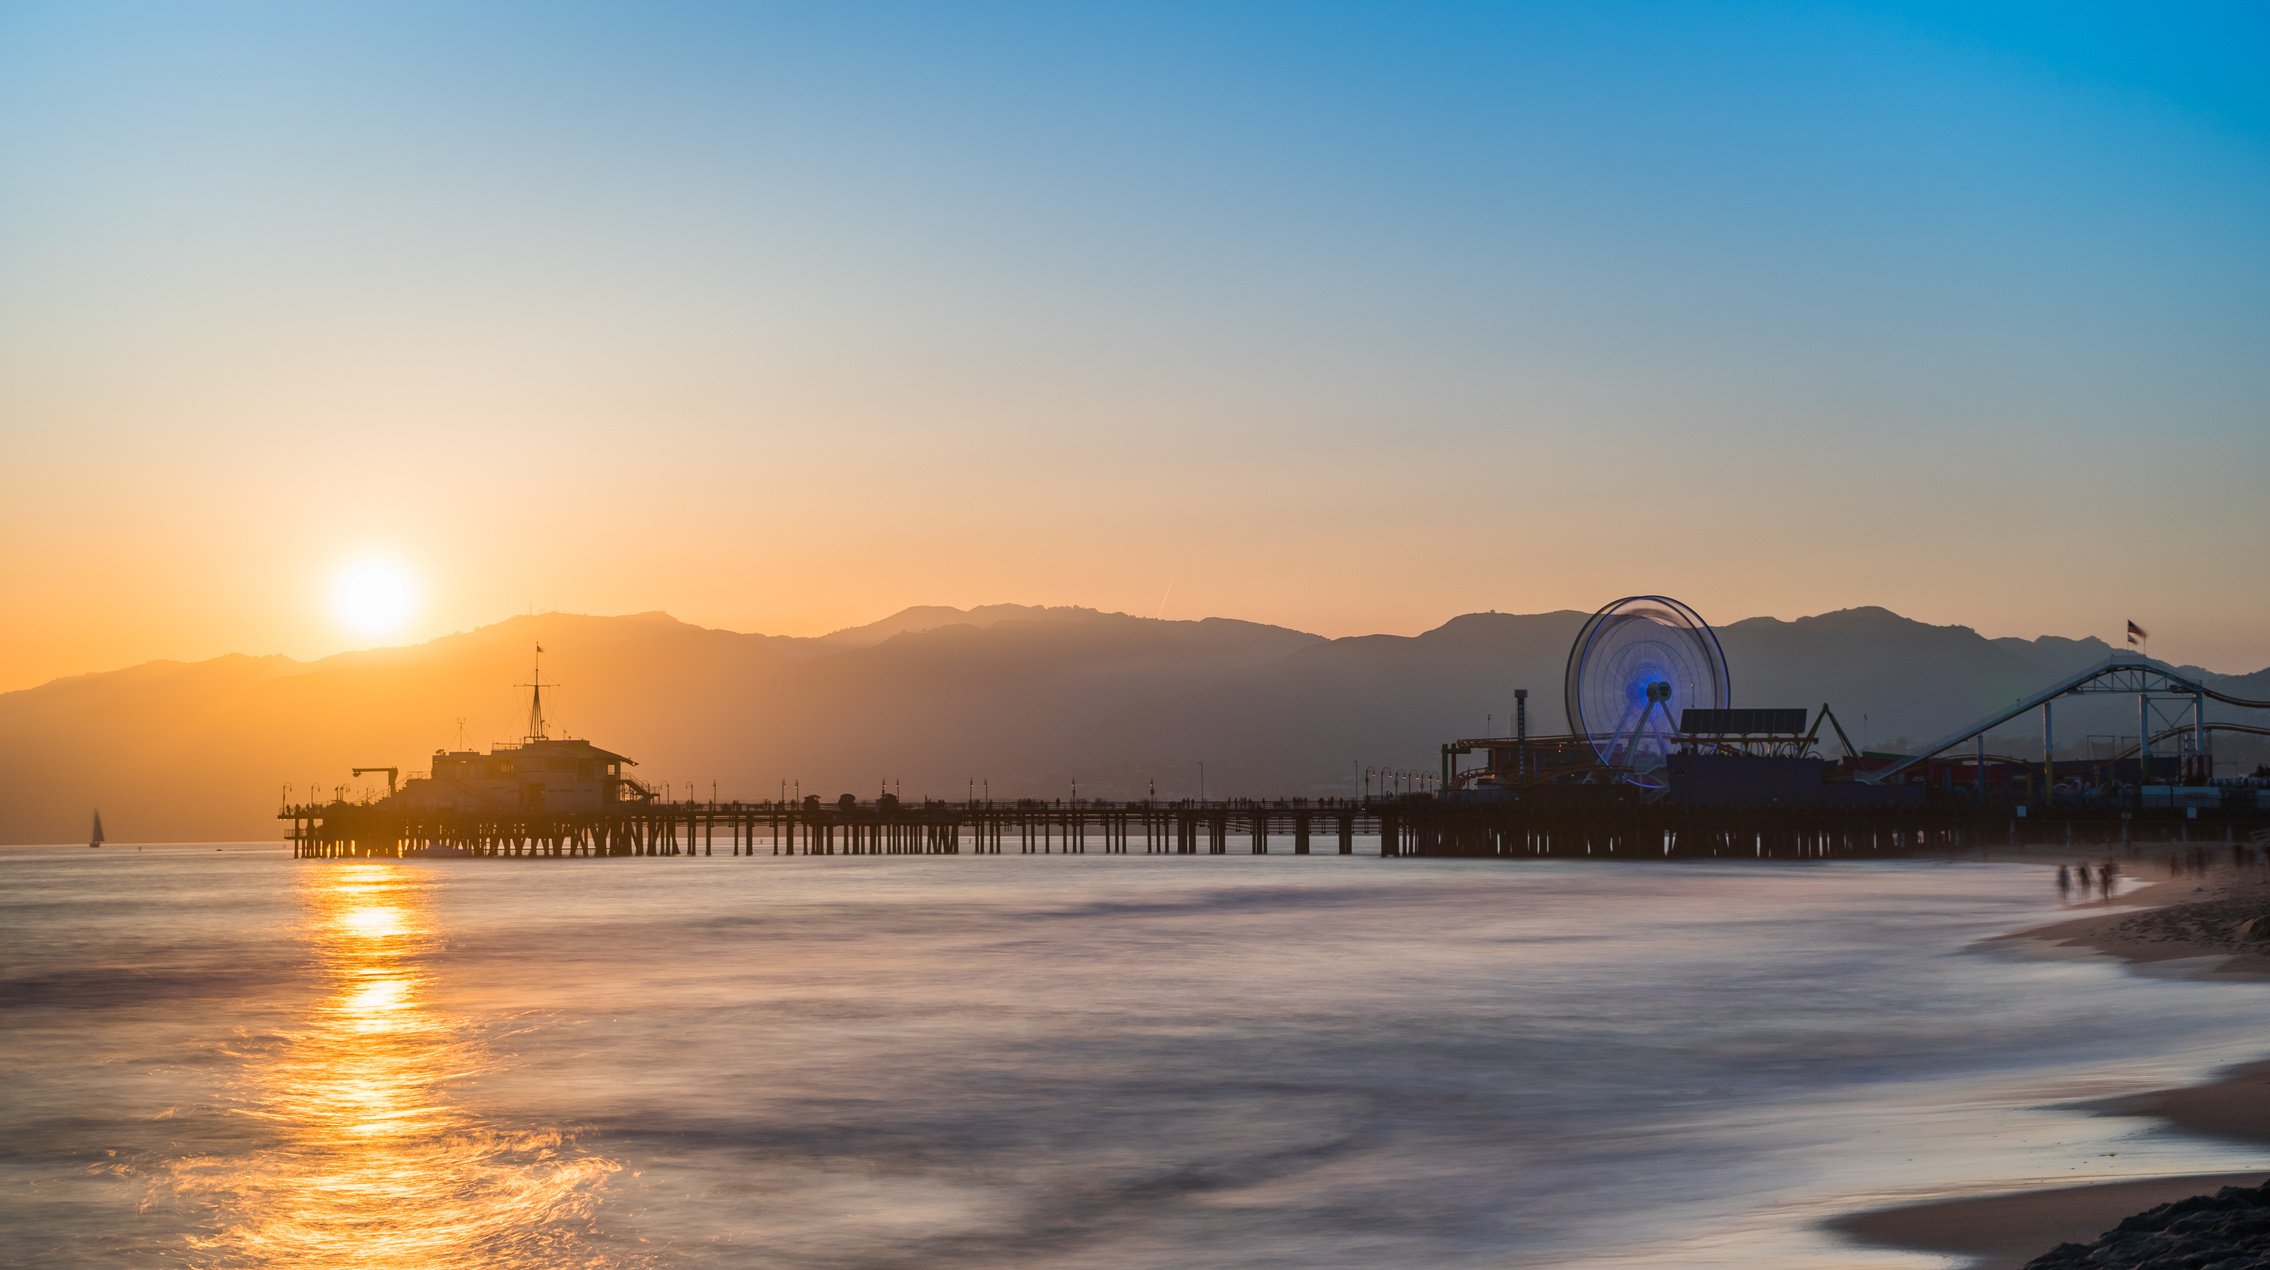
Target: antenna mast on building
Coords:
[[535, 688]]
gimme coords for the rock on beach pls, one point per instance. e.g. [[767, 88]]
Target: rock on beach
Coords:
[[2229, 1230]]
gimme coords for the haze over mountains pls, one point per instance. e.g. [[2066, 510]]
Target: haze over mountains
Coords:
[[1029, 699]]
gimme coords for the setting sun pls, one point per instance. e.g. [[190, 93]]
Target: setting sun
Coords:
[[374, 596]]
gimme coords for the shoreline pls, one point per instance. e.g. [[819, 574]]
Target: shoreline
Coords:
[[2181, 918]]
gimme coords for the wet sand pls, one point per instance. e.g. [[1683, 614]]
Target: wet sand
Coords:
[[2180, 918], [2004, 1232], [2172, 920], [2234, 1106]]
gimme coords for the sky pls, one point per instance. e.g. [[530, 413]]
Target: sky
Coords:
[[1345, 317]]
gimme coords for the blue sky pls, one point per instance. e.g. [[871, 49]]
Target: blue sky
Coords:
[[1779, 308]]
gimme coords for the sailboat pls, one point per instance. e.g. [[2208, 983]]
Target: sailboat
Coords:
[[94, 838]]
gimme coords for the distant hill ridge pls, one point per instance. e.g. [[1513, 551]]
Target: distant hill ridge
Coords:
[[1028, 698]]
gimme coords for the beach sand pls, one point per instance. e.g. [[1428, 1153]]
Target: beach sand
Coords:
[[2004, 1232], [2187, 917]]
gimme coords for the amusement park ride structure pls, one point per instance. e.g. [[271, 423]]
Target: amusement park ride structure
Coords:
[[1646, 685], [1644, 661], [2169, 707]]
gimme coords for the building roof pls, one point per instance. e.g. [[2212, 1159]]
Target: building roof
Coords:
[[565, 742]]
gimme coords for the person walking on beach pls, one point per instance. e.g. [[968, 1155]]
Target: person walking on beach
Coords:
[[2064, 885], [2104, 879]]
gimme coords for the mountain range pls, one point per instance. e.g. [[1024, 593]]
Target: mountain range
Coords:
[[1026, 700]]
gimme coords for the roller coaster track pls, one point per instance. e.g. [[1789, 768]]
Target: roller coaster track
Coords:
[[2166, 734], [2119, 674], [2244, 729]]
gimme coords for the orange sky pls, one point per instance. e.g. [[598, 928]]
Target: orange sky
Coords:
[[192, 555], [203, 506]]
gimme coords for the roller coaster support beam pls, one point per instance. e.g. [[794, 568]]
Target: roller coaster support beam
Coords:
[[2143, 738], [2199, 751], [2048, 756]]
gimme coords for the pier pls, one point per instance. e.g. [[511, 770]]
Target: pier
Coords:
[[1714, 783], [1419, 826], [882, 827]]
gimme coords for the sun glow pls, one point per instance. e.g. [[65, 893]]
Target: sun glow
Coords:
[[374, 596]]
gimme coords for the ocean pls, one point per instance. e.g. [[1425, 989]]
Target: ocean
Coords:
[[230, 1058]]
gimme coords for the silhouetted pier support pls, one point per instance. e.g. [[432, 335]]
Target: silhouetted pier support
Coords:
[[811, 827], [1403, 827]]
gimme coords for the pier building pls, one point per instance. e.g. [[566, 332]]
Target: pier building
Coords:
[[541, 774]]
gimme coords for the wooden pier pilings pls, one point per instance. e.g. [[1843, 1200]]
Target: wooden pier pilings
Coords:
[[1659, 831], [1414, 827], [815, 828]]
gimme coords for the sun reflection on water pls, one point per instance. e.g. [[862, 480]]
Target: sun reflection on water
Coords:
[[371, 1163]]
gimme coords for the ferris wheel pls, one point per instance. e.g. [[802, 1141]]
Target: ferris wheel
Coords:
[[1634, 667]]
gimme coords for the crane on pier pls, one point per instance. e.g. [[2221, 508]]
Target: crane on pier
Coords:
[[392, 774]]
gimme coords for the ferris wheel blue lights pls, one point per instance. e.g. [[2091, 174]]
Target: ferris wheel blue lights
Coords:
[[1635, 666]]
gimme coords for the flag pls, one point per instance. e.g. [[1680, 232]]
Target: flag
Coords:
[[2131, 626], [2137, 633]]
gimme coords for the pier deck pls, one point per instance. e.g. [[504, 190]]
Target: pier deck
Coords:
[[1403, 827], [815, 828]]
